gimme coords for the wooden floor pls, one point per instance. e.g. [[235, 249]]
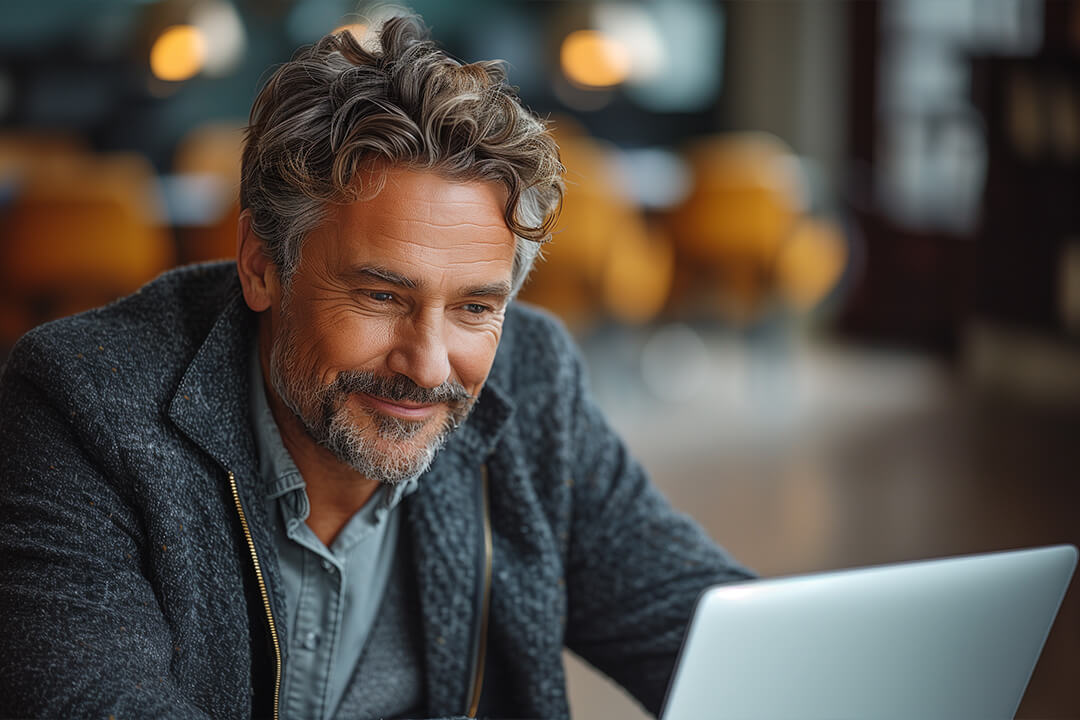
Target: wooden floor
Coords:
[[801, 457]]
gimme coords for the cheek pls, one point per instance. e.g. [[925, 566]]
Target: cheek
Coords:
[[294, 351], [471, 356], [346, 341]]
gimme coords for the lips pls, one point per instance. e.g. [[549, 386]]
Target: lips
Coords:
[[400, 408]]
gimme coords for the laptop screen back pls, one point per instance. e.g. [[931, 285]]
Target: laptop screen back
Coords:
[[952, 639]]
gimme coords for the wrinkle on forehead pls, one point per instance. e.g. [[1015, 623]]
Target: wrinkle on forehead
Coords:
[[391, 235], [433, 224], [428, 200]]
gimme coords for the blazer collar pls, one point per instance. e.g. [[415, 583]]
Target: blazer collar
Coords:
[[211, 403]]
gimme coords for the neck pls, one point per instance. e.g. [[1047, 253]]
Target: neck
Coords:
[[335, 491]]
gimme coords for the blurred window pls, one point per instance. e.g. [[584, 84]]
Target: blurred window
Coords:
[[931, 140]]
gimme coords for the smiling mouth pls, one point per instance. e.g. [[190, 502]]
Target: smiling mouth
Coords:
[[400, 408]]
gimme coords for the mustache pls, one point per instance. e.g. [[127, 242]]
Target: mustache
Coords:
[[398, 387]]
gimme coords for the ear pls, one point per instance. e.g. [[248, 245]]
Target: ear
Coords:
[[258, 276]]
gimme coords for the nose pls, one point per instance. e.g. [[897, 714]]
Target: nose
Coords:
[[419, 352]]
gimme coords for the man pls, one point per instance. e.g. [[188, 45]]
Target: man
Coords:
[[345, 476]]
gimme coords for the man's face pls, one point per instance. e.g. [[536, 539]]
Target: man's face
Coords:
[[387, 332]]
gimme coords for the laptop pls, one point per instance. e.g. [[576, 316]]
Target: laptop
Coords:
[[951, 639]]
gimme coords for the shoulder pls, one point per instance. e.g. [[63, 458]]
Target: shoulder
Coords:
[[129, 351]]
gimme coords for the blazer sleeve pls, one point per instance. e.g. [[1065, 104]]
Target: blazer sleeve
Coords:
[[635, 566], [85, 635]]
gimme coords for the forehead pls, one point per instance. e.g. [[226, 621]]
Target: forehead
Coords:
[[422, 223]]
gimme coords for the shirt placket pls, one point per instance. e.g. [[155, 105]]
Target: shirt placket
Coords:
[[319, 619]]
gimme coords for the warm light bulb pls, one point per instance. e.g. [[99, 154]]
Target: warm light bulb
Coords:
[[593, 59], [178, 53], [357, 30]]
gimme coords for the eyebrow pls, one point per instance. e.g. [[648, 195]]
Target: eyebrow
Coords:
[[374, 272], [499, 289]]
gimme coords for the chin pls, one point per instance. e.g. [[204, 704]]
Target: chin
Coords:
[[385, 448]]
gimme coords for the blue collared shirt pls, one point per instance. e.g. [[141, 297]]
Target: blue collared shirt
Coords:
[[332, 594]]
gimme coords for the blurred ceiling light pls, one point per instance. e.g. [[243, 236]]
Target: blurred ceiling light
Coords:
[[365, 33], [592, 59], [223, 32], [357, 30], [178, 53], [675, 47], [636, 30]]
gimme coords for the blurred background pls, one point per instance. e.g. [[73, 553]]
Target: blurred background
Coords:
[[823, 257]]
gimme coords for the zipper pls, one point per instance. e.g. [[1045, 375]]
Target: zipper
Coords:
[[262, 590], [485, 606]]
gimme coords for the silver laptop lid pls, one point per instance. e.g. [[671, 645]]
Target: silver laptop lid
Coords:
[[952, 639]]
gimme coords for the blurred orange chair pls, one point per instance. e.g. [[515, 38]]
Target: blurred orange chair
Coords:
[[810, 263], [80, 231], [604, 260], [23, 154], [743, 239], [748, 196]]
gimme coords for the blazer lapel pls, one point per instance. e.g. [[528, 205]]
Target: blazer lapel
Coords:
[[211, 404], [212, 407]]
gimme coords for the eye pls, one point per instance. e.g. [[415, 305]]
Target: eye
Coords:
[[476, 308], [380, 296]]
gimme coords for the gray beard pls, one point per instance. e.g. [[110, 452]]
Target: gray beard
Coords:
[[322, 411], [391, 466]]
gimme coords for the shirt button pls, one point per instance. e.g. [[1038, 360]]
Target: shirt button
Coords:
[[311, 640], [327, 566]]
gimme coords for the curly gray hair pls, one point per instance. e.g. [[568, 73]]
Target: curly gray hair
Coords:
[[328, 120]]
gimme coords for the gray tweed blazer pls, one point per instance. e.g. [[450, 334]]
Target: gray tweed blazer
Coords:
[[137, 570]]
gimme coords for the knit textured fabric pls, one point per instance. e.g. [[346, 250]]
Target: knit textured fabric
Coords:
[[387, 681], [127, 580]]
